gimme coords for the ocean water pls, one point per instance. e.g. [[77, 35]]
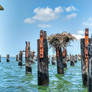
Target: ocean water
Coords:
[[14, 79]]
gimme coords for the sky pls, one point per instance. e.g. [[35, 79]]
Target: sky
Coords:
[[22, 21]]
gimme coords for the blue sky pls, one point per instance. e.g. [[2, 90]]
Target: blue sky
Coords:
[[23, 19]]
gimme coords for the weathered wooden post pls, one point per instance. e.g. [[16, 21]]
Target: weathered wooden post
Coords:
[[60, 65], [72, 60], [20, 58], [65, 57], [7, 58], [76, 58], [90, 66], [84, 57], [27, 58], [32, 53], [43, 74], [0, 58], [17, 58], [53, 60]]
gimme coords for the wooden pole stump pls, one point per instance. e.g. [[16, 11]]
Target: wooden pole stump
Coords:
[[27, 58], [60, 65], [43, 74], [75, 58], [17, 58], [71, 60], [0, 58], [7, 58], [65, 57], [84, 57], [20, 58], [53, 60], [90, 66]]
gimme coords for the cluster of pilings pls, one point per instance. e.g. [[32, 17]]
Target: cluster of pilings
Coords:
[[86, 60], [42, 55]]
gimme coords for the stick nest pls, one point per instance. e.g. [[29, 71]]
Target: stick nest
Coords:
[[60, 40]]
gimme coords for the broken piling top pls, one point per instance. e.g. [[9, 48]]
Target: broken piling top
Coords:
[[1, 8]]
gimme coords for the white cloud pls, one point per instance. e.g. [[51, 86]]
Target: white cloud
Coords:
[[47, 14], [44, 25], [88, 23], [44, 14], [70, 16], [29, 20], [58, 9], [81, 32], [70, 8], [78, 36]]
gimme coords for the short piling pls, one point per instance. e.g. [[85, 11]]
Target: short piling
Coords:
[[0, 58], [17, 58], [27, 58], [65, 57], [7, 58], [20, 58], [71, 60], [60, 64]]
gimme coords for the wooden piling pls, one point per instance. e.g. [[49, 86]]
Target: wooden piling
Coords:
[[71, 60], [17, 58], [65, 57], [27, 58], [43, 74], [60, 65], [0, 58], [7, 58], [53, 60], [20, 58], [90, 66], [75, 58], [84, 57]]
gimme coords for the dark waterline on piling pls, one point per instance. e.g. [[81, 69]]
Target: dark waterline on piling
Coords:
[[14, 79]]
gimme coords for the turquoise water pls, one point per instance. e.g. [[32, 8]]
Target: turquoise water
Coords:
[[14, 79]]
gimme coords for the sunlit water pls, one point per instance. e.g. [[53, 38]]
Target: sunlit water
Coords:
[[14, 79]]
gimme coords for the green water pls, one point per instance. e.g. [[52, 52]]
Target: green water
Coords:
[[14, 79]]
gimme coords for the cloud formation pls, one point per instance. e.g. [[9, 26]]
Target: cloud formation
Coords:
[[44, 14], [70, 16], [70, 8], [44, 25], [79, 34], [88, 23]]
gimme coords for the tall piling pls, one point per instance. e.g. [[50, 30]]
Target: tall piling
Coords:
[[27, 58], [90, 66], [7, 58], [43, 74], [84, 57], [59, 57], [20, 58]]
